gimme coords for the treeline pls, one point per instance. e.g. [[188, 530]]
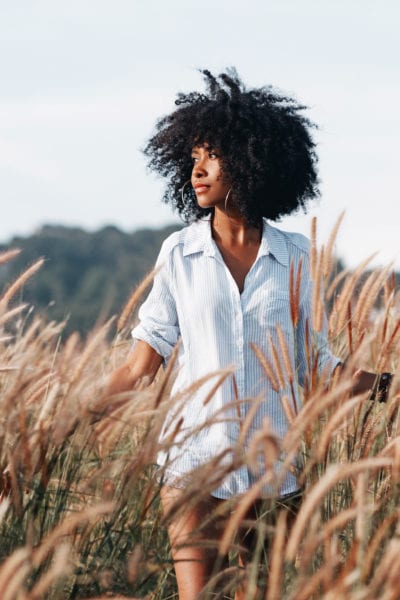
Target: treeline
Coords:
[[86, 276]]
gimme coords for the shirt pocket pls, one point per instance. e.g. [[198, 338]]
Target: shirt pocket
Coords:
[[276, 310]]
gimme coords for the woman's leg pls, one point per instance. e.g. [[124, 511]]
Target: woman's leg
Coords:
[[194, 536], [266, 511]]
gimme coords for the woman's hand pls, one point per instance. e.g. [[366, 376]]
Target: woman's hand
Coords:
[[363, 381], [142, 363], [141, 366], [377, 384]]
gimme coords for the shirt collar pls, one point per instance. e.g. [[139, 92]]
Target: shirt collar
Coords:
[[273, 242], [199, 239]]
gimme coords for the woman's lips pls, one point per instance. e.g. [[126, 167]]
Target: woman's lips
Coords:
[[200, 189]]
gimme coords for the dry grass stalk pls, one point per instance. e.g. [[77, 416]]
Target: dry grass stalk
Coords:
[[327, 262], [288, 408], [13, 572], [91, 348], [293, 304], [38, 391], [386, 574], [350, 328], [335, 283], [19, 283], [391, 448], [10, 314], [313, 249], [368, 297], [320, 402], [337, 421], [315, 538], [342, 301], [234, 579], [117, 597], [267, 367], [294, 292], [67, 527], [277, 365], [134, 563], [49, 400], [317, 302], [385, 323], [134, 299], [220, 380], [8, 255], [389, 347], [331, 555], [333, 475], [285, 355], [389, 289], [246, 423], [307, 587], [119, 425], [61, 566], [69, 353], [371, 428], [376, 543], [360, 501], [246, 501], [15, 490], [274, 588], [4, 506], [264, 442]]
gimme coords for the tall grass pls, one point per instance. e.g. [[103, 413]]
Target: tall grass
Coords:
[[80, 512]]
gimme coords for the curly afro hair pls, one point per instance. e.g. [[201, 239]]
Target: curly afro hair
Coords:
[[267, 152]]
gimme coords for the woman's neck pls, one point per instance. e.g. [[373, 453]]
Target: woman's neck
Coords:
[[233, 229]]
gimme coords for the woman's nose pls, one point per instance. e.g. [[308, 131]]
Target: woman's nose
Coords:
[[199, 168]]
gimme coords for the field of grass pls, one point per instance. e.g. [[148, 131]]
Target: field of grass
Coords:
[[80, 514]]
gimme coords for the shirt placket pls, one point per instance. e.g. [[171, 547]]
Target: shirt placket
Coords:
[[242, 475]]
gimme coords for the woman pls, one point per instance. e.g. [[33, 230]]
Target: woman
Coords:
[[233, 158]]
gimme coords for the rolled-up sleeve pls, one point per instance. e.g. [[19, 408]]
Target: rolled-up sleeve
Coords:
[[158, 321]]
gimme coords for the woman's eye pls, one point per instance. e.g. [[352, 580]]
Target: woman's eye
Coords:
[[194, 159], [212, 155]]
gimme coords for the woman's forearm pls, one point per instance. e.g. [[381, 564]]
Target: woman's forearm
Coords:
[[142, 363]]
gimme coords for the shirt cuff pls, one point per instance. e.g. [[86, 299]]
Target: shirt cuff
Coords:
[[158, 343]]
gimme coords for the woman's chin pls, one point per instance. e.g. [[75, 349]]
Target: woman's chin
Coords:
[[203, 203]]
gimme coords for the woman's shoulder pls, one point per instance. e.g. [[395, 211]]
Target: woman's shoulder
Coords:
[[298, 240], [293, 241]]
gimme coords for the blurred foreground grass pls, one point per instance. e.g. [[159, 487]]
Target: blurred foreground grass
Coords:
[[80, 512]]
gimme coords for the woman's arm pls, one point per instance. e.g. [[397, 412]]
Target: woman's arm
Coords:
[[143, 362]]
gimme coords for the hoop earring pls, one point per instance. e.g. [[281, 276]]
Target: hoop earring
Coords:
[[226, 198], [183, 190]]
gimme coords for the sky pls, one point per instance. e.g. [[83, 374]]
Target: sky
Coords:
[[83, 82]]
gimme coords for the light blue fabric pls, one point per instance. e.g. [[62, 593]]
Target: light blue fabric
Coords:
[[194, 297]]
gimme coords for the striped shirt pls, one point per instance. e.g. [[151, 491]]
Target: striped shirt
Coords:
[[194, 298]]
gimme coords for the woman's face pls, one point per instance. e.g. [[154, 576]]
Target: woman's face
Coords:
[[207, 179]]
